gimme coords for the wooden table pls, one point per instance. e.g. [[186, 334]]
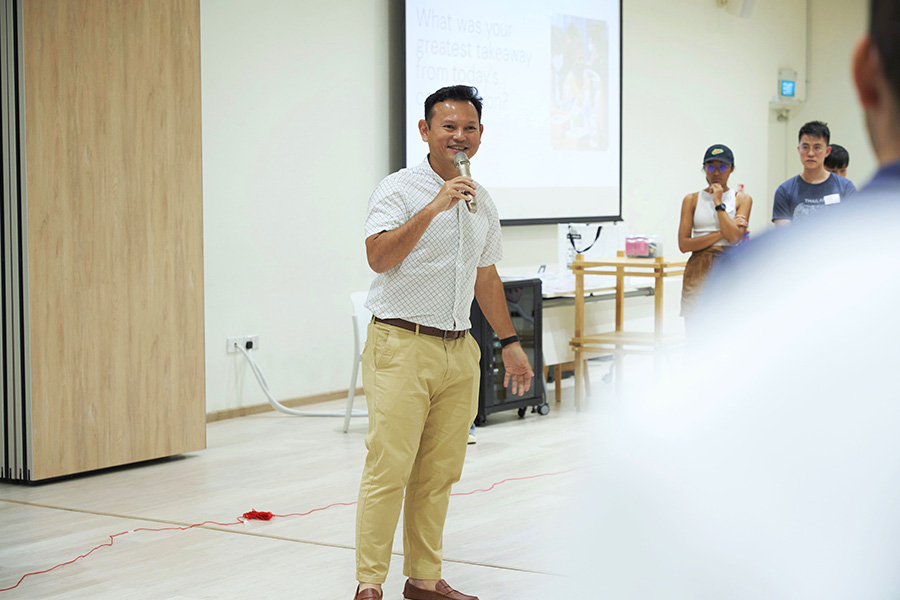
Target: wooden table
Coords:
[[619, 342]]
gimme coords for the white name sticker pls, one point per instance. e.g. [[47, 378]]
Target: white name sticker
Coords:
[[832, 198]]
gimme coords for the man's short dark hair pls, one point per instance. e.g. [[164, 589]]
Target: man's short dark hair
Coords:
[[461, 93], [884, 29], [838, 159], [815, 129]]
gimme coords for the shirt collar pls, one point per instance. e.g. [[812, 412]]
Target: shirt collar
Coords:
[[425, 166]]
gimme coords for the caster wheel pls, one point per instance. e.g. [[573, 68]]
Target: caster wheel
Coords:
[[521, 412], [544, 409]]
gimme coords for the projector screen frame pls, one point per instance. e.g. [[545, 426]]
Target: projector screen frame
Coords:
[[609, 218]]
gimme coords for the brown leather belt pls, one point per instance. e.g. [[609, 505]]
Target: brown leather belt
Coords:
[[434, 331]]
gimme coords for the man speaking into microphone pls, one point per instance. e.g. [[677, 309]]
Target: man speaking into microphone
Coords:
[[432, 251]]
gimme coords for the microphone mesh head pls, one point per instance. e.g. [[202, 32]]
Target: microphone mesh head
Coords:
[[460, 158]]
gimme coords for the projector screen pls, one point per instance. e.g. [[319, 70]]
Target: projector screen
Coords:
[[550, 75]]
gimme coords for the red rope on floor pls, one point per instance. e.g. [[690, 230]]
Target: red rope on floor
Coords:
[[309, 512], [512, 479], [65, 563], [262, 516], [254, 515]]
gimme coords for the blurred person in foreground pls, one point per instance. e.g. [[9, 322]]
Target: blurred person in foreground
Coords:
[[770, 467]]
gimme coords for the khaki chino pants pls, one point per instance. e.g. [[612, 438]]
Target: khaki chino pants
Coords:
[[422, 395]]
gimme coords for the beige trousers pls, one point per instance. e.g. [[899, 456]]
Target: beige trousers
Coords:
[[422, 395]]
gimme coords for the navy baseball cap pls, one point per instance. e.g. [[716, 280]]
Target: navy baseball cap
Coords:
[[720, 153]]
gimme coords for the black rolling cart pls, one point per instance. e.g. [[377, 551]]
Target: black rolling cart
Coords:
[[523, 299]]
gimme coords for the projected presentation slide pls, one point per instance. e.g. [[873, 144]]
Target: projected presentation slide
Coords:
[[549, 73]]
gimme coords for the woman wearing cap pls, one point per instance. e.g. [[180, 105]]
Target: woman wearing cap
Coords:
[[712, 220]]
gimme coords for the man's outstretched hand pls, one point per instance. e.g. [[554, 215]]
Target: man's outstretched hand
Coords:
[[518, 369]]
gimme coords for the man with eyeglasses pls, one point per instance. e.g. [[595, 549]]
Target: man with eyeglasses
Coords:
[[814, 188]]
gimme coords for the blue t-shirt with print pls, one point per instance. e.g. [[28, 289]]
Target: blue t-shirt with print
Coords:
[[796, 199]]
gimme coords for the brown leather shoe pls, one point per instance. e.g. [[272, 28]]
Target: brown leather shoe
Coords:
[[443, 592], [367, 594]]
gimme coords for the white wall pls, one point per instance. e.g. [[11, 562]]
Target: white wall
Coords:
[[299, 114], [835, 29], [295, 130]]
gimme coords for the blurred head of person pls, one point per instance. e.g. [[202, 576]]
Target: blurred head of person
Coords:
[[876, 73]]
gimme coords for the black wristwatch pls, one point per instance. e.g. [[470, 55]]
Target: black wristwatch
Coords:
[[510, 340], [721, 206]]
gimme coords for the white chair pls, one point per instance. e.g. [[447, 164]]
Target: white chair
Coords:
[[361, 318]]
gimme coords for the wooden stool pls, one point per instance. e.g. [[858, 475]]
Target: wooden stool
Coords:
[[620, 342]]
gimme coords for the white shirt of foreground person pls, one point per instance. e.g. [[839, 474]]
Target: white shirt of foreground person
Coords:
[[769, 466]]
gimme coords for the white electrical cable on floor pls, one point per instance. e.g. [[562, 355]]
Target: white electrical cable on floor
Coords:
[[282, 408]]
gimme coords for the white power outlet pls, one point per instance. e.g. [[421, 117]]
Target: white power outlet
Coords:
[[241, 341]]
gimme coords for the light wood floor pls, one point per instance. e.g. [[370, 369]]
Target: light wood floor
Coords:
[[504, 543]]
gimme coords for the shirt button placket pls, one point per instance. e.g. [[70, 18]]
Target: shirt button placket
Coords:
[[457, 292]]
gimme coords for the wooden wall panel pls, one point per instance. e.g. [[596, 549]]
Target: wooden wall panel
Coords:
[[115, 231]]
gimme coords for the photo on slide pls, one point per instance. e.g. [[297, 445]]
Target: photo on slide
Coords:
[[579, 61]]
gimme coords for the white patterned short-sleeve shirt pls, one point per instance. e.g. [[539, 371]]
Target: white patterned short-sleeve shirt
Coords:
[[435, 283]]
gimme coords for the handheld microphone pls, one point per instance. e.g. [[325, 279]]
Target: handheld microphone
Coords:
[[461, 162]]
